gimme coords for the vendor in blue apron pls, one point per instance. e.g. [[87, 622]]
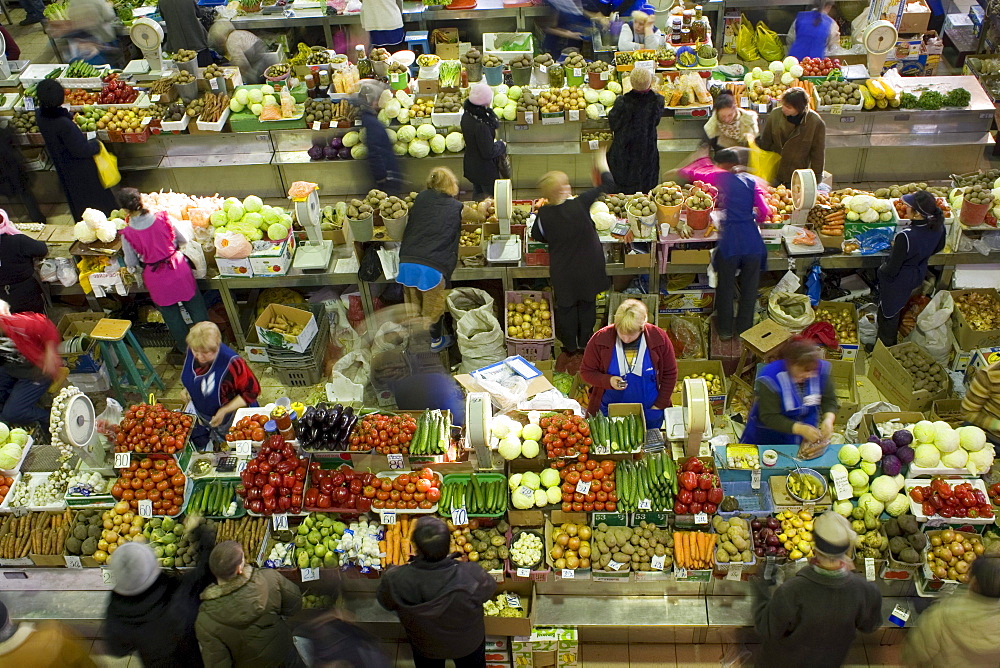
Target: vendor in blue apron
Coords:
[[906, 267], [630, 362], [567, 26], [218, 382], [795, 401]]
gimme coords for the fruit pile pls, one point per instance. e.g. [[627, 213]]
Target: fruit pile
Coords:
[[122, 120], [478, 497], [699, 489], [780, 199], [650, 479], [482, 544], [408, 491], [941, 499], [700, 197], [668, 193], [734, 540], [838, 92], [601, 495], [422, 107], [818, 67], [78, 96], [640, 206], [24, 122], [274, 480], [713, 382], [845, 326], [248, 428], [565, 436], [6, 482], [631, 548], [152, 428], [571, 547], [317, 540], [694, 549], [385, 434], [170, 542], [339, 488], [529, 320], [618, 434], [116, 91], [471, 238], [767, 537], [159, 481], [951, 554], [980, 309], [121, 525], [796, 535]]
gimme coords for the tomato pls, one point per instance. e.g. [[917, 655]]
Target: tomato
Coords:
[[573, 477], [178, 480], [607, 466], [433, 494], [586, 476]]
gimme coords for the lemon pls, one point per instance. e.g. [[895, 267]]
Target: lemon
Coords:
[[794, 555]]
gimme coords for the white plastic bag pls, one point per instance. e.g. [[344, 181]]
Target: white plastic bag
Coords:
[[391, 336], [356, 366], [867, 327], [194, 252], [480, 340], [933, 330], [853, 422]]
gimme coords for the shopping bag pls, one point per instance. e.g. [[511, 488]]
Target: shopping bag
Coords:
[[746, 41], [768, 43], [764, 164], [107, 167]]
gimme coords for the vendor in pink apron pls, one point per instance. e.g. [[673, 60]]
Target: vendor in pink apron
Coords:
[[630, 362], [218, 382], [795, 401]]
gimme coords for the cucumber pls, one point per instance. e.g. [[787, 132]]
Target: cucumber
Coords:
[[614, 435]]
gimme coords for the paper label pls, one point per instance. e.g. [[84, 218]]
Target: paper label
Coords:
[[574, 114], [986, 115], [241, 466], [614, 565], [605, 75], [74, 562], [583, 487], [568, 574], [214, 84], [657, 561], [701, 518], [317, 125], [680, 573], [280, 522], [524, 572], [529, 117], [29, 104], [900, 613], [387, 516], [459, 517], [841, 485], [154, 98], [847, 119], [357, 123], [745, 102], [761, 108], [543, 69], [577, 72], [552, 120], [836, 109], [243, 448], [123, 460], [948, 588], [146, 508], [513, 601], [735, 572], [91, 135], [755, 479], [646, 65], [870, 569], [309, 574], [593, 144], [645, 504], [395, 461], [107, 577], [525, 491], [19, 511]]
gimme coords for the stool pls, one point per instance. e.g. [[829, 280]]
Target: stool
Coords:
[[115, 339], [759, 342], [415, 38]]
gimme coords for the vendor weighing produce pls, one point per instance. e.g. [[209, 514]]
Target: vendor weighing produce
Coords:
[[796, 402]]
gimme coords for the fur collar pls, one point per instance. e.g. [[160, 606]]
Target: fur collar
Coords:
[[215, 591]]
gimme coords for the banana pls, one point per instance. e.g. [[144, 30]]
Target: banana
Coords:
[[875, 89], [868, 101]]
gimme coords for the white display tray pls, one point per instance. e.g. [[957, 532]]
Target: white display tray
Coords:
[[917, 508]]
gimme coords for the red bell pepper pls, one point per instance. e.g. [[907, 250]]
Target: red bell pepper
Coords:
[[688, 480]]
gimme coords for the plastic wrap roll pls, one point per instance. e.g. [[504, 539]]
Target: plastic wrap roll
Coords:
[[803, 189], [697, 412]]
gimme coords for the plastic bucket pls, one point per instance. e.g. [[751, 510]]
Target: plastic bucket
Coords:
[[972, 215], [399, 80], [494, 75], [595, 81], [394, 227], [698, 219], [474, 71], [189, 66], [188, 91], [363, 229], [574, 80], [521, 76], [668, 215]]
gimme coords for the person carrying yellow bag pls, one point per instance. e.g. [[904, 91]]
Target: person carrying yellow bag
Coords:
[[797, 133]]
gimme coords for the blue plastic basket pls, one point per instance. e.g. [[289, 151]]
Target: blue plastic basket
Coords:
[[753, 502]]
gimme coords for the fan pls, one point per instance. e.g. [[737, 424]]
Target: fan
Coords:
[[503, 247], [147, 34], [879, 39], [4, 65], [803, 195], [313, 254]]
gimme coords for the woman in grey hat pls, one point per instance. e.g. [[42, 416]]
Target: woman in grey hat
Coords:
[[812, 618]]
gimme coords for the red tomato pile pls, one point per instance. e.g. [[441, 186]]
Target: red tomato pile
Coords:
[[940, 499], [565, 436], [339, 488], [600, 475], [994, 491], [248, 428], [5, 485], [78, 96], [151, 428], [818, 67], [274, 480], [386, 434], [157, 480], [407, 491], [699, 488]]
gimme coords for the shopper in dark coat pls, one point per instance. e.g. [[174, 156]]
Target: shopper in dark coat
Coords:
[[382, 161], [633, 158], [429, 251], [439, 600], [72, 154], [19, 286], [151, 612], [15, 180], [797, 133], [184, 29], [482, 148], [813, 617], [576, 259]]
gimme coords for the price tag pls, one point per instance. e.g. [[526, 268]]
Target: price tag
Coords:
[[680, 573], [123, 460], [357, 123], [568, 574], [899, 616], [755, 479], [263, 137], [577, 72], [155, 98], [645, 504], [761, 108], [701, 518], [745, 102], [837, 109], [847, 119], [29, 104], [280, 522], [309, 574], [146, 508], [19, 511], [583, 487], [214, 84], [985, 115], [73, 562], [520, 127], [524, 572], [656, 562], [529, 117], [243, 448], [735, 572], [593, 144], [809, 506], [459, 517], [841, 485], [646, 65], [525, 491], [543, 69], [107, 577], [91, 135], [870, 569], [513, 601], [317, 125], [387, 516], [395, 462], [574, 114], [605, 75], [241, 466], [614, 565]]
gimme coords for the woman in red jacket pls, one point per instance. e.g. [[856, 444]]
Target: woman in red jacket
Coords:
[[630, 362]]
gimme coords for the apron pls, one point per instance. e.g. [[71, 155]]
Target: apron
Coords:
[[641, 379], [895, 291], [794, 404], [740, 234], [206, 396]]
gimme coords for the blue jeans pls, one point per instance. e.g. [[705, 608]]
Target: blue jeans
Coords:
[[175, 321], [19, 400], [33, 8]]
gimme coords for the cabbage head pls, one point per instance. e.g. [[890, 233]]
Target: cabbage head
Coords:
[[426, 131], [419, 148], [437, 144], [454, 142]]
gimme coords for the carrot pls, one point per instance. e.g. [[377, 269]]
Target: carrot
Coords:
[[678, 548], [382, 548]]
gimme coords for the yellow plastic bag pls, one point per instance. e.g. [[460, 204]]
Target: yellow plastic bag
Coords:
[[764, 164], [746, 41], [107, 167], [769, 44]]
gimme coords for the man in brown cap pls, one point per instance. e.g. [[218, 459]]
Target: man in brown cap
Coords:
[[812, 618]]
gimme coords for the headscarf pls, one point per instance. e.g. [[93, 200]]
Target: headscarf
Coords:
[[50, 94], [7, 227]]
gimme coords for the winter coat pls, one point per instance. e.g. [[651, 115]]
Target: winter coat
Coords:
[[14, 178], [184, 28], [382, 162], [240, 622], [801, 146], [479, 129], [19, 286], [960, 630], [576, 256], [72, 155], [597, 358], [812, 618], [432, 232], [45, 645], [329, 639], [632, 157], [440, 604], [159, 622]]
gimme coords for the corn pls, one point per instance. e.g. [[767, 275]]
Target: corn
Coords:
[[875, 89], [868, 101]]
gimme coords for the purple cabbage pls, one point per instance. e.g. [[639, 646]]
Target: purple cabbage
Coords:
[[315, 152], [874, 439], [337, 143], [888, 446], [905, 454], [902, 437], [891, 465], [330, 153], [345, 153]]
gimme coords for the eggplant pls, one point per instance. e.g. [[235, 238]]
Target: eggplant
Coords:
[[345, 433], [319, 416], [333, 415], [321, 406], [339, 408], [345, 417]]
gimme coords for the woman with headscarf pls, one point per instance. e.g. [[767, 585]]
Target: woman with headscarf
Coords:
[[243, 49], [905, 268], [72, 154], [19, 286], [482, 148], [632, 157]]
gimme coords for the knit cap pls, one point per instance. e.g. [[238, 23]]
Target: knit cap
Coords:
[[134, 568], [481, 94], [833, 535]]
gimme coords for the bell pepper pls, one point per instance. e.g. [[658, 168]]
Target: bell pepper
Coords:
[[688, 480]]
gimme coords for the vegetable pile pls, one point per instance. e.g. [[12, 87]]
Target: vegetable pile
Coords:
[[408, 491], [159, 481]]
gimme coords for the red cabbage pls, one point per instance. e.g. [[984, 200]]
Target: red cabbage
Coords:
[[337, 143], [330, 153], [905, 454], [891, 465], [888, 446], [874, 439], [902, 437], [315, 152], [345, 153]]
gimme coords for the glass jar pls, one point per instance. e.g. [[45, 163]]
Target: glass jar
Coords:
[[557, 76], [282, 418], [272, 438], [675, 35], [688, 16], [699, 31], [686, 36]]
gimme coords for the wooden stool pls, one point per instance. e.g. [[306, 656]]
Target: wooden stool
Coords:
[[759, 342], [124, 356]]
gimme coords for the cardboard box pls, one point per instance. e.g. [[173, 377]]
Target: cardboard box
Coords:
[[428, 87], [847, 351], [688, 301], [682, 256], [239, 268], [868, 422], [893, 381], [846, 387], [296, 316], [948, 410], [513, 626], [275, 259], [639, 260], [550, 646], [967, 337], [689, 367], [911, 22], [980, 359]]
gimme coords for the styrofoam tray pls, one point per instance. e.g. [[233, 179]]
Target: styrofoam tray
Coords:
[[917, 508], [32, 74], [409, 511], [5, 506], [20, 462], [954, 473], [795, 249], [36, 480]]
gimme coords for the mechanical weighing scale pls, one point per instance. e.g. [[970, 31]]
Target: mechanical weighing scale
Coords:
[[79, 430], [315, 253], [503, 248], [147, 34]]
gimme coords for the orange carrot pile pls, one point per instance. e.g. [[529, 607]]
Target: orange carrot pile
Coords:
[[396, 546], [694, 549]]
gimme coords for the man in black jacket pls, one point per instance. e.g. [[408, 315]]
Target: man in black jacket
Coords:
[[439, 601]]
